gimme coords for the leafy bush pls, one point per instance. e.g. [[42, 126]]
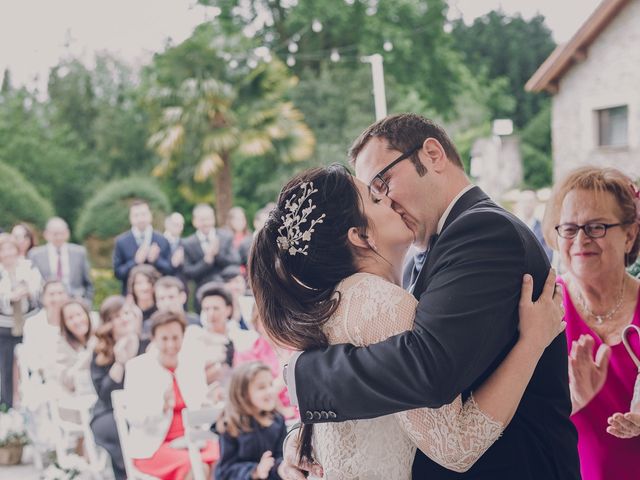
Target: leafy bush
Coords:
[[106, 214], [20, 201]]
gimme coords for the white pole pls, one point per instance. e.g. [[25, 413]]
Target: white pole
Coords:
[[379, 96]]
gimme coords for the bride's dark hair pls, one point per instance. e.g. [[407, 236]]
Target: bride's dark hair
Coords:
[[295, 294]]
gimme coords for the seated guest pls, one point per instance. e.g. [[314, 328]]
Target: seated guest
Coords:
[[158, 387], [263, 350], [217, 317], [242, 236], [26, 238], [141, 283], [117, 343], [236, 284], [42, 330], [75, 348], [208, 347], [171, 296], [209, 250], [19, 291], [250, 427], [140, 245], [63, 261]]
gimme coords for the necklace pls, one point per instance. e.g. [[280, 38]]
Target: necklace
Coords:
[[600, 319]]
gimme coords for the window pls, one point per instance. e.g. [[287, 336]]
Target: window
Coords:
[[613, 126]]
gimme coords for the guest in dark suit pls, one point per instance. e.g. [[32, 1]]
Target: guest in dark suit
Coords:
[[466, 319], [242, 236], [64, 261], [173, 227], [140, 245], [208, 251]]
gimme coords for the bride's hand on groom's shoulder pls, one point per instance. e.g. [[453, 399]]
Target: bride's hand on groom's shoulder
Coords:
[[543, 320], [291, 468]]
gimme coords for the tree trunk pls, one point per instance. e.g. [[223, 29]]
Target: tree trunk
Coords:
[[222, 183]]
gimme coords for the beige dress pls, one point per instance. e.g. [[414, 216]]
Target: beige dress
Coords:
[[455, 435]]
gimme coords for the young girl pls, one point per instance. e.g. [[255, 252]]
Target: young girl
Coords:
[[251, 430]]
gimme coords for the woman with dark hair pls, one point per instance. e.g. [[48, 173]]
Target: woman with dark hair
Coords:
[[26, 238], [326, 269], [117, 343], [75, 348], [140, 285]]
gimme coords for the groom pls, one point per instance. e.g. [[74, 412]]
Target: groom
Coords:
[[468, 286]]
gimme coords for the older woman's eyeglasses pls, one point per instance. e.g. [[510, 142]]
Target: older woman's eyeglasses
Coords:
[[378, 185], [592, 230]]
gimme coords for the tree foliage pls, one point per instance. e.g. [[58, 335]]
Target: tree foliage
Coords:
[[500, 46], [106, 214], [218, 116], [20, 201]]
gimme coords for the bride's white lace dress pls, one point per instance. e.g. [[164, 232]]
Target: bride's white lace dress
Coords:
[[455, 435]]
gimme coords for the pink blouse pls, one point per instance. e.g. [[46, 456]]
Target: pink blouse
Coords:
[[603, 456]]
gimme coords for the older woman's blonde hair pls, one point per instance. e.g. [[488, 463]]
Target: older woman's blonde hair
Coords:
[[599, 181]]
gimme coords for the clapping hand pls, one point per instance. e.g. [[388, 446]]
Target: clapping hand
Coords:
[[154, 253], [177, 258], [142, 253], [212, 250], [586, 375], [126, 348], [264, 467]]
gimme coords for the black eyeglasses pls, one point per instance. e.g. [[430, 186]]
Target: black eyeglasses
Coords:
[[379, 185], [592, 230]]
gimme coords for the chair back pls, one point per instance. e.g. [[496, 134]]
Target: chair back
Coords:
[[197, 425], [118, 401]]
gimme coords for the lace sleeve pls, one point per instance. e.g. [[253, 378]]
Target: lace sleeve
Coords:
[[454, 435]]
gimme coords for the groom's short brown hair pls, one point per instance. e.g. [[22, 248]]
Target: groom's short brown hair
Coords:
[[403, 132]]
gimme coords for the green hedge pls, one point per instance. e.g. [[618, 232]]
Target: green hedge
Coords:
[[20, 201], [106, 214]]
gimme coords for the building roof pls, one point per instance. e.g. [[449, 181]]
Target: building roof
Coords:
[[575, 50]]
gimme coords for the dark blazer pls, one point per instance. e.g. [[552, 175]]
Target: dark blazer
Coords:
[[466, 323], [124, 254], [80, 284], [240, 456], [201, 272]]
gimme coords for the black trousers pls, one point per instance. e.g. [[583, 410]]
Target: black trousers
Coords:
[[7, 345], [105, 433]]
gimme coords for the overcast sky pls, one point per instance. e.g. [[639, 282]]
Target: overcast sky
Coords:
[[35, 34]]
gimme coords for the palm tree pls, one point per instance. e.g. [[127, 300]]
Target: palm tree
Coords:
[[221, 121]]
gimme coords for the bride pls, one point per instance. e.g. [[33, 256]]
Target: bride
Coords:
[[326, 269]]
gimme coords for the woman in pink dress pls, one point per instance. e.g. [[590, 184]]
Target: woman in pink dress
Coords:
[[157, 389], [592, 220]]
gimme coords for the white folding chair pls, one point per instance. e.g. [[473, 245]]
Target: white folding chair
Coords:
[[76, 424], [120, 415], [197, 425]]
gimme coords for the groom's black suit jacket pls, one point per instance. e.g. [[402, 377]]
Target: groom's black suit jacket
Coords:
[[466, 322]]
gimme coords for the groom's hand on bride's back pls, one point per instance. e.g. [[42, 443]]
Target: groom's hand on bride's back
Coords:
[[291, 468]]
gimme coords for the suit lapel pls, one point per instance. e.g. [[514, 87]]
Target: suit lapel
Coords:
[[464, 203]]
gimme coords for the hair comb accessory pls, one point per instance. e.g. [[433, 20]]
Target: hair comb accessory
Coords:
[[292, 233]]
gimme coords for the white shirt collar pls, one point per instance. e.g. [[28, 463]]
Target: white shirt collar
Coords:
[[204, 238], [446, 213], [147, 234]]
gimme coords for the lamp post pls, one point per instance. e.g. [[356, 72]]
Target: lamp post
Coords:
[[377, 72]]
